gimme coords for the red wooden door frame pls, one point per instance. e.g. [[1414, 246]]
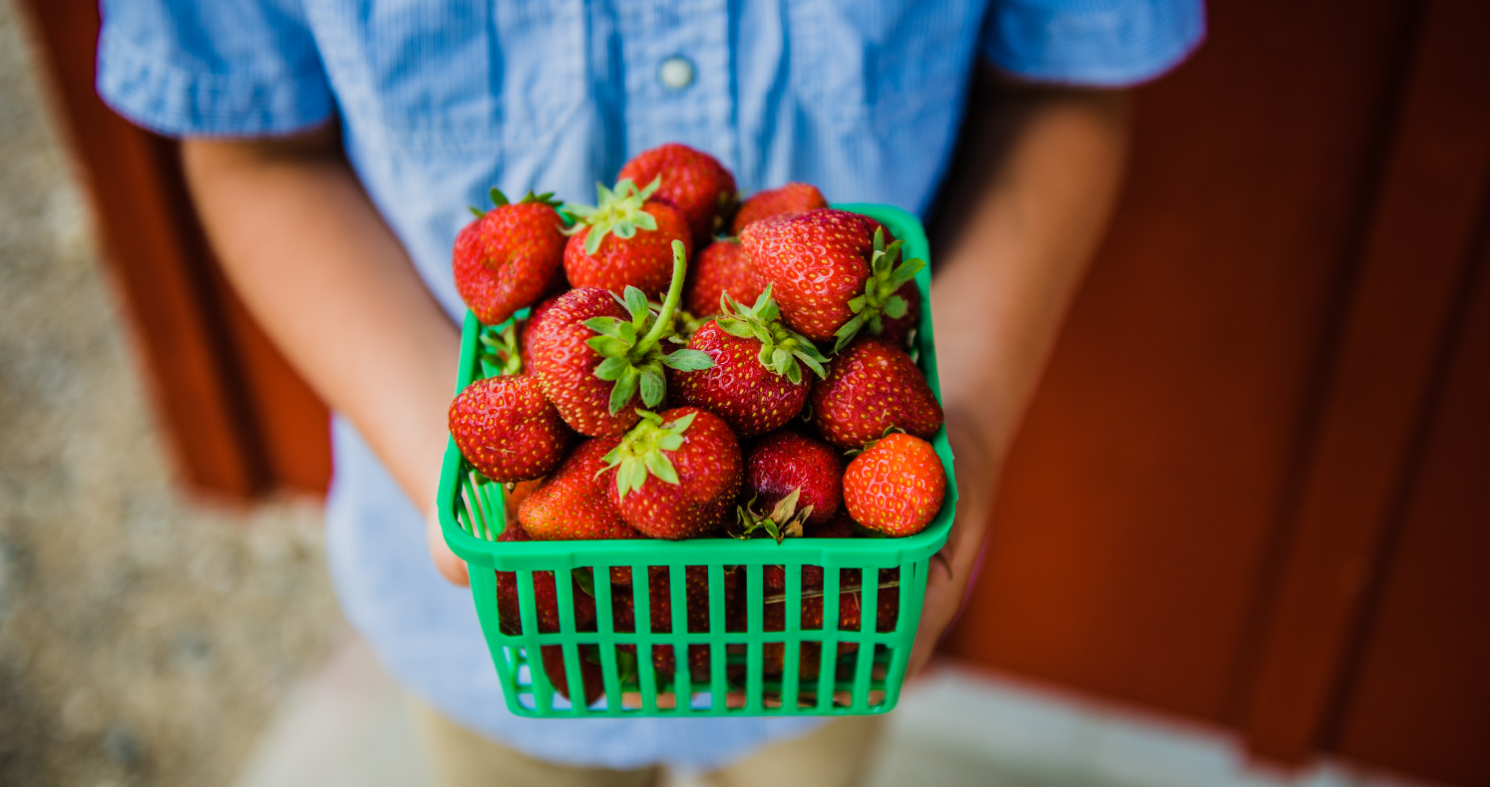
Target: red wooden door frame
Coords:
[[239, 421]]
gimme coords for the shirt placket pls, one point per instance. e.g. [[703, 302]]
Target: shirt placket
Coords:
[[677, 63]]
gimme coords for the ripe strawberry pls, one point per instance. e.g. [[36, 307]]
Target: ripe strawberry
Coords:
[[756, 383], [693, 180], [722, 267], [791, 198], [565, 365], [507, 430], [545, 597], [573, 504], [593, 362], [591, 675], [660, 610], [525, 330], [509, 256], [831, 271], [625, 241], [786, 461], [694, 463], [895, 486], [871, 387], [813, 614]]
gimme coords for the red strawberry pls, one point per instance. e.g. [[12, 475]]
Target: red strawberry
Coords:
[[592, 677], [785, 461], [545, 597], [525, 330], [756, 383], [831, 271], [565, 364], [507, 430], [693, 180], [660, 609], [573, 504], [895, 486], [509, 256], [676, 474], [593, 361], [871, 387], [625, 241], [791, 198], [813, 614], [722, 267]]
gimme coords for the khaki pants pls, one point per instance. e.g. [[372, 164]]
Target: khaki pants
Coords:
[[834, 755]]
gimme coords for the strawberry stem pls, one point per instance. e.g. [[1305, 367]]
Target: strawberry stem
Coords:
[[664, 321]]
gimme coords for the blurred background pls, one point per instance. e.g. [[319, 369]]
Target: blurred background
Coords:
[[1244, 537]]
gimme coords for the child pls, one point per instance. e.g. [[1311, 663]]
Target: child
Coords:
[[332, 148]]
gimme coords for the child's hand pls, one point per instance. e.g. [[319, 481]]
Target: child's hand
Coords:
[[451, 567]]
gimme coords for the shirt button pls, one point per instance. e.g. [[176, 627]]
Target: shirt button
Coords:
[[676, 72]]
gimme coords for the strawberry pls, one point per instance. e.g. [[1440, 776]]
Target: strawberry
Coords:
[[895, 486], [525, 330], [573, 503], [625, 241], [509, 256], [756, 383], [545, 597], [871, 387], [831, 271], [694, 463], [786, 461], [593, 363], [693, 180], [722, 267], [592, 677], [660, 610], [791, 198], [813, 612], [507, 430]]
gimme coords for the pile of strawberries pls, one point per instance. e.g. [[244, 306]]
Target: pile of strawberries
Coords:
[[670, 384]]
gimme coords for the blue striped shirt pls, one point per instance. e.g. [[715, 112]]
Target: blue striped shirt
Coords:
[[440, 101]]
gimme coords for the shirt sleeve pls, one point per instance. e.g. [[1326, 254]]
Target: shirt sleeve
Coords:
[[1098, 43], [212, 67]]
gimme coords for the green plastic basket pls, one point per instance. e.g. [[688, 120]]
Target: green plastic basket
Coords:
[[845, 671]]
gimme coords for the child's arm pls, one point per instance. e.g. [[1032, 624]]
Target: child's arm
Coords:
[[313, 260], [1022, 243]]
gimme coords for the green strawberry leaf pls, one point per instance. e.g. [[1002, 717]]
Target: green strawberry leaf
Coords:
[[611, 369], [895, 307], [585, 578], [476, 211], [659, 465], [623, 389], [608, 346], [688, 360], [498, 198], [653, 388], [637, 306]]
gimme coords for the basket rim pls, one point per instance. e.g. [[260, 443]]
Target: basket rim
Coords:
[[827, 552]]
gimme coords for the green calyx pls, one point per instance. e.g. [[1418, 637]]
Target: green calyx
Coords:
[[502, 349], [631, 351], [618, 212], [642, 452], [879, 299], [498, 199], [783, 350], [783, 521]]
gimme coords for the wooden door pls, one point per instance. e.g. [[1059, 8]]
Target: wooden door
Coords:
[[1199, 513]]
